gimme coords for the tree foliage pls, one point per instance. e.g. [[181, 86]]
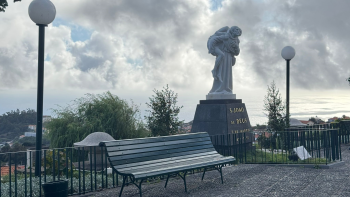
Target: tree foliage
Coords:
[[95, 113], [16, 147], [163, 114], [258, 126], [3, 5], [275, 109], [343, 117], [31, 141], [316, 120], [264, 142], [15, 123]]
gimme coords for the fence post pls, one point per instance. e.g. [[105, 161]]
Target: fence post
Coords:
[[71, 170], [10, 173], [79, 155], [91, 168], [15, 173], [53, 164]]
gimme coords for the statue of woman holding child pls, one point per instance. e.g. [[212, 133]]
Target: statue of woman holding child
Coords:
[[224, 44]]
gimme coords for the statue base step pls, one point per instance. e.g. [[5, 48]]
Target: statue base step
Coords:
[[220, 96]]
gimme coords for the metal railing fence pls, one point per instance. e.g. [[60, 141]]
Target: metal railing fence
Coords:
[[85, 168], [320, 146]]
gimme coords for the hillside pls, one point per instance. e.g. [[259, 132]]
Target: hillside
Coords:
[[15, 123]]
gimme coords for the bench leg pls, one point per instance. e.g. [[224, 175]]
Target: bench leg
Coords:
[[184, 178], [220, 170], [166, 183], [121, 190], [204, 173], [133, 181], [140, 187]]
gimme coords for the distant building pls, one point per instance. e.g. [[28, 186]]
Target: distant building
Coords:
[[307, 122], [330, 120], [46, 119], [295, 123], [29, 134], [186, 127], [5, 170], [32, 127], [22, 136], [261, 132]]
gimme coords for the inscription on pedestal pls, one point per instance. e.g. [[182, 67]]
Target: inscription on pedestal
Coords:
[[223, 117], [238, 121]]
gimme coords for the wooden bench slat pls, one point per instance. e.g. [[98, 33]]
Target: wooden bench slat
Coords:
[[171, 163], [143, 162], [163, 161], [157, 148], [181, 168], [153, 139], [160, 152], [115, 161], [165, 143], [174, 165]]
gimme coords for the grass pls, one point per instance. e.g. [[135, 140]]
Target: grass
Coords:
[[266, 156]]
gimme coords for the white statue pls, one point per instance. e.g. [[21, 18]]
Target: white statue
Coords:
[[224, 44]]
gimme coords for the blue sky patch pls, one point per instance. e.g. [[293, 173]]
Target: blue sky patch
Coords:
[[137, 63], [47, 58], [78, 33], [216, 4]]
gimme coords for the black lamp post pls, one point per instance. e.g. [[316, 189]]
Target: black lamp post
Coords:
[[42, 12], [287, 53]]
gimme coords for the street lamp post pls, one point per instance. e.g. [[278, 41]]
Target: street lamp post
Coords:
[[42, 12], [287, 53]]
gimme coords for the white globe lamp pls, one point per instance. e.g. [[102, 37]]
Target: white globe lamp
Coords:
[[42, 12], [288, 53]]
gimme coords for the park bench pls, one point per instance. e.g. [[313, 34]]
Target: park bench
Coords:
[[143, 158]]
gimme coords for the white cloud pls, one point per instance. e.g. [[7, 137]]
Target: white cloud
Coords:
[[136, 46]]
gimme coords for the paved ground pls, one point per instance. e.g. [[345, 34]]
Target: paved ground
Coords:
[[252, 180]]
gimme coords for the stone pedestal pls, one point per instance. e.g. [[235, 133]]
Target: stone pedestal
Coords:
[[220, 96], [222, 117]]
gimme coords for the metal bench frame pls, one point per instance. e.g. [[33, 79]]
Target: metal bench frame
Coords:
[[112, 146]]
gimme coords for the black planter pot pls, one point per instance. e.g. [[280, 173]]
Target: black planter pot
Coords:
[[56, 188]]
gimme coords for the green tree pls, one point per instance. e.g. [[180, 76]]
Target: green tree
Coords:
[[316, 120], [18, 157], [344, 117], [275, 109], [4, 4], [95, 113], [30, 141], [163, 114], [263, 141], [258, 126]]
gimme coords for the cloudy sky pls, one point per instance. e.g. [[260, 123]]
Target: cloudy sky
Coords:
[[131, 47]]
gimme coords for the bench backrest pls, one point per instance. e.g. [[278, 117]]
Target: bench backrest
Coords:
[[123, 152]]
